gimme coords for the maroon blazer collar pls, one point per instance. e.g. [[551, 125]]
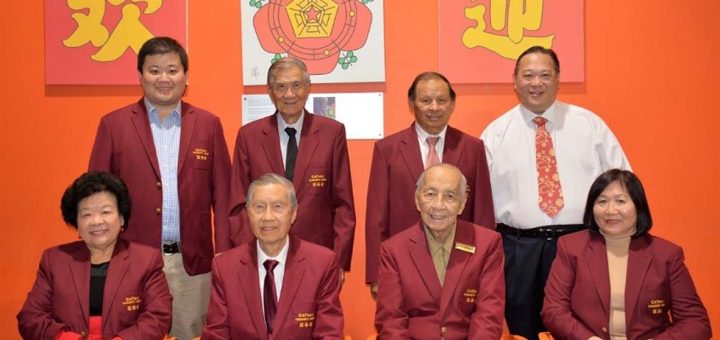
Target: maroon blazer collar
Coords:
[[637, 268], [80, 271], [248, 277], [141, 123]]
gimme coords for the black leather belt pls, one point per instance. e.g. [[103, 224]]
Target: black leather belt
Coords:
[[170, 247], [548, 231]]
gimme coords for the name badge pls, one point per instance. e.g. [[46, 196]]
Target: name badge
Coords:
[[465, 247]]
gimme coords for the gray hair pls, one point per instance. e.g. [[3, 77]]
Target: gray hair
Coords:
[[273, 178], [463, 181], [285, 64]]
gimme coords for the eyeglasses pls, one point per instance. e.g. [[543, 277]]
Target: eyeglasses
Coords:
[[295, 87]]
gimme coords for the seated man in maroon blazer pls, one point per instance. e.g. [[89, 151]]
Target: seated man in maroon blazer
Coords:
[[276, 286], [442, 277]]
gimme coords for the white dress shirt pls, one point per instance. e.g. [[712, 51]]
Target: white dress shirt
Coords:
[[425, 147], [279, 270], [584, 148], [284, 137]]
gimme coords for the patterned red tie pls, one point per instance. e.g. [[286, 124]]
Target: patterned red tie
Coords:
[[270, 296], [549, 190], [432, 156]]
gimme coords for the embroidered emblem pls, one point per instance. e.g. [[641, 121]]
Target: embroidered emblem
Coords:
[[470, 294], [305, 320], [201, 154], [318, 180], [132, 303], [656, 306], [465, 247]]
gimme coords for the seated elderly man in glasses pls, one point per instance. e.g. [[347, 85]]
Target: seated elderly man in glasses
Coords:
[[442, 277]]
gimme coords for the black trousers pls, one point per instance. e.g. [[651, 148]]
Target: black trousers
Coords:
[[527, 265]]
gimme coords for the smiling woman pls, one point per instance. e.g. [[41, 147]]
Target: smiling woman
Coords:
[[102, 265]]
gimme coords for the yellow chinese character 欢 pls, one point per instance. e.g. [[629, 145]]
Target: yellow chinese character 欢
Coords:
[[128, 33], [518, 15]]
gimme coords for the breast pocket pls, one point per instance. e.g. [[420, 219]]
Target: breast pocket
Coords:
[[317, 180], [302, 320], [468, 293], [200, 156]]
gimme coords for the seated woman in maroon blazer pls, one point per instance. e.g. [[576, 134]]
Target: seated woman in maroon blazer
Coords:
[[102, 287], [615, 280]]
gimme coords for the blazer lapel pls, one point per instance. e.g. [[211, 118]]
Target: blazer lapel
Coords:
[[465, 234], [410, 152], [308, 144], [187, 126], [597, 265], [452, 150], [248, 278], [141, 123], [80, 271], [420, 256], [271, 145], [637, 268], [115, 275], [294, 271]]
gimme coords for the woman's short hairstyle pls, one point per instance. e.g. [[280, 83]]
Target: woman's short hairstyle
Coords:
[[635, 189], [88, 184]]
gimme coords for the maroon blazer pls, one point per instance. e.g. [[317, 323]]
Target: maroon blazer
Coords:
[[326, 212], [309, 304], [396, 167], [411, 303], [658, 288], [124, 146], [136, 302]]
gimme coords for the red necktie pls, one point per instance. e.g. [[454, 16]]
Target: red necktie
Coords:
[[269, 296], [549, 190], [432, 156]]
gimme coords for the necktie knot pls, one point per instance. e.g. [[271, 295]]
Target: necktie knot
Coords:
[[432, 156], [432, 141], [290, 131], [540, 121], [270, 265]]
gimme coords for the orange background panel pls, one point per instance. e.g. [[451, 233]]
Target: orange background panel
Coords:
[[651, 74]]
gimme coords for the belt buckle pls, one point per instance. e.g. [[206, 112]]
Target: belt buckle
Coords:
[[170, 247]]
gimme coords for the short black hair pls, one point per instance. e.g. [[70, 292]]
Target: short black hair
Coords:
[[162, 45], [88, 184], [427, 76], [635, 189], [541, 50]]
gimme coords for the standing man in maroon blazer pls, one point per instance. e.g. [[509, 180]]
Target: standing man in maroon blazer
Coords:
[[441, 277], [399, 159], [310, 151], [278, 287], [174, 159]]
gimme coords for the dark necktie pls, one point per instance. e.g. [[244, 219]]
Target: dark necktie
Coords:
[[269, 295], [292, 150]]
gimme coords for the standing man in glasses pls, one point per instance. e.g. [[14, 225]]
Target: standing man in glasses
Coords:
[[543, 156], [310, 151]]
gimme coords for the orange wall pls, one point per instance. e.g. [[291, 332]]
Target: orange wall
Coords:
[[650, 73]]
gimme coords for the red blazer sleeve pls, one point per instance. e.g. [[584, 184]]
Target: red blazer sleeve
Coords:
[[342, 201], [156, 317], [216, 326], [487, 320], [483, 209], [221, 189], [35, 320], [689, 317], [101, 155], [239, 180], [391, 321], [329, 314], [376, 213], [556, 313]]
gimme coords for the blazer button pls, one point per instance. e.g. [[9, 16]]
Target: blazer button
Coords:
[[158, 185], [158, 211], [443, 330], [604, 329]]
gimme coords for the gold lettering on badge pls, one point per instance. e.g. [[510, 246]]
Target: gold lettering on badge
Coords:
[[470, 294], [465, 247], [201, 154], [132, 303], [656, 306], [305, 320], [317, 181]]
